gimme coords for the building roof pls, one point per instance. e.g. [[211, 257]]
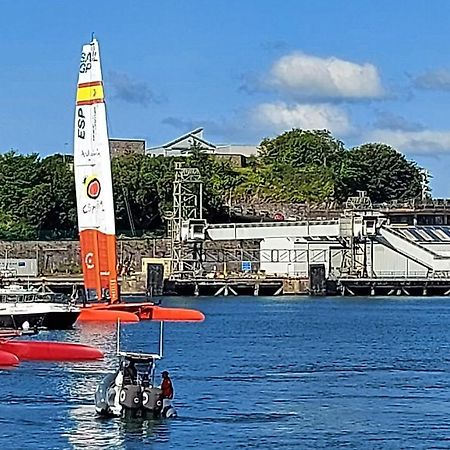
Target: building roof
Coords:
[[189, 139], [181, 146]]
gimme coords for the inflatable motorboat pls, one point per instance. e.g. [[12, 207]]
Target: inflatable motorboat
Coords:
[[130, 391]]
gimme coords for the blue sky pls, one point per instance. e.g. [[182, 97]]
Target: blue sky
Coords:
[[244, 70]]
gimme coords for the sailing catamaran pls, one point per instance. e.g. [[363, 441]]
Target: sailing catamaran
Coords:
[[95, 206]]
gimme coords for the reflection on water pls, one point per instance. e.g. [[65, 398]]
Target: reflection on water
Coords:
[[86, 431], [89, 431], [147, 430]]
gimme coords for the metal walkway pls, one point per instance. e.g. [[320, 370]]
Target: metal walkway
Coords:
[[396, 240], [263, 230]]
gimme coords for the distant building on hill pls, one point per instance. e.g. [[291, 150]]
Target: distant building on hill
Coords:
[[181, 146]]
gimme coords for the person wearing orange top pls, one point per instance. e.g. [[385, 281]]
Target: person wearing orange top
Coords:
[[166, 386]]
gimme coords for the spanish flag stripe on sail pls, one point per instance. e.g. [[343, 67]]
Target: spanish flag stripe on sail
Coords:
[[90, 102], [93, 93], [90, 83]]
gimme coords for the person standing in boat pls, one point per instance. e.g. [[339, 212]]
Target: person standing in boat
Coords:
[[129, 372], [166, 386]]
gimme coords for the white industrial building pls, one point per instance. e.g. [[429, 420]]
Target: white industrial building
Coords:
[[358, 244]]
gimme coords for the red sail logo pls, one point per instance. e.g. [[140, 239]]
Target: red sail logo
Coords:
[[93, 188]]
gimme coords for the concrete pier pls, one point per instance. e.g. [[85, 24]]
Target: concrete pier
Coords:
[[226, 286], [424, 286], [236, 286]]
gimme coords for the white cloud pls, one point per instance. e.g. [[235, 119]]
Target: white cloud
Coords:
[[427, 142], [434, 80], [306, 116], [312, 76]]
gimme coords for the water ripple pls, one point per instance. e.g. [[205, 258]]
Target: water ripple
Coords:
[[327, 373]]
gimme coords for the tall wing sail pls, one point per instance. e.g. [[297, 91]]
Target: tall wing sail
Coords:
[[93, 181]]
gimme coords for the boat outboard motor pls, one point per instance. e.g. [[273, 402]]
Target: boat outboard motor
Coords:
[[151, 401], [130, 398], [168, 409], [103, 395]]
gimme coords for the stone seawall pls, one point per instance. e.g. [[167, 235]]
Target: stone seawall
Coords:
[[63, 257], [55, 257]]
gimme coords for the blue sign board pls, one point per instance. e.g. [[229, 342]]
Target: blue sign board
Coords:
[[246, 266]]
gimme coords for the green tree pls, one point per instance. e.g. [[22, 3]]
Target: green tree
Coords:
[[380, 170], [297, 166], [216, 175], [14, 228], [299, 148], [19, 175], [56, 189], [135, 179]]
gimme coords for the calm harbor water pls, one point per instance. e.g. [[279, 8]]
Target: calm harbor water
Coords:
[[262, 373]]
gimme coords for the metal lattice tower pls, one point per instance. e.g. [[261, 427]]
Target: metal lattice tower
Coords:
[[186, 224]]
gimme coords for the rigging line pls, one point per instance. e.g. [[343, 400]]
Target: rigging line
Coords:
[[130, 215]]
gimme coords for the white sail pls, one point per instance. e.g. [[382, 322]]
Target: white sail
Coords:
[[93, 181]]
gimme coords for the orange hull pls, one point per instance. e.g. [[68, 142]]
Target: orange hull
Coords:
[[177, 314], [134, 312], [106, 315]]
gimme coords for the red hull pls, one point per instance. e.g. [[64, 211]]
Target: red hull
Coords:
[[50, 351], [8, 359]]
